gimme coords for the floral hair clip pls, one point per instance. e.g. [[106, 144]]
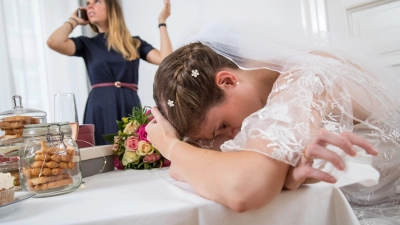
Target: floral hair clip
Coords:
[[195, 73], [170, 103]]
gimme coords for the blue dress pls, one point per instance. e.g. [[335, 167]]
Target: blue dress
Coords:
[[105, 105]]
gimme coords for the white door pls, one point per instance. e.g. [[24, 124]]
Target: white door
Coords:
[[375, 21]]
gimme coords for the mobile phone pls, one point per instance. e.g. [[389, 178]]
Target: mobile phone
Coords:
[[81, 13]]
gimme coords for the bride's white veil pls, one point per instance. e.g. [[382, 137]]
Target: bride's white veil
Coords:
[[255, 46]]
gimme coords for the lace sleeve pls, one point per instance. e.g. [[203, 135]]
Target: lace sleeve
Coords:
[[303, 100]]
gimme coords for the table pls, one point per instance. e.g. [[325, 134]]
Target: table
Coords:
[[152, 197]]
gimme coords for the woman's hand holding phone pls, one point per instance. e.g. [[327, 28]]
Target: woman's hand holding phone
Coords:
[[80, 16], [82, 13]]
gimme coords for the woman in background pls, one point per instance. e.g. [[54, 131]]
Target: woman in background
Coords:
[[112, 61]]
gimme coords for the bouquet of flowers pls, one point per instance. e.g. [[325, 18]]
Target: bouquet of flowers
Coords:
[[131, 148]]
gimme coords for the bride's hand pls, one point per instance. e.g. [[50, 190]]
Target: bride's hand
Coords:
[[305, 173], [162, 135]]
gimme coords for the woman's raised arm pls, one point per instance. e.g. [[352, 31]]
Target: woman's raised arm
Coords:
[[156, 56], [59, 41]]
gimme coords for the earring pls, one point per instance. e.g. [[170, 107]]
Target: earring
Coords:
[[237, 83]]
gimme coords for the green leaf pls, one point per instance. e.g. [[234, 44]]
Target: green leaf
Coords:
[[109, 137], [120, 125], [139, 114]]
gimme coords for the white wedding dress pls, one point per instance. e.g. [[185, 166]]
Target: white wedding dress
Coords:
[[321, 86]]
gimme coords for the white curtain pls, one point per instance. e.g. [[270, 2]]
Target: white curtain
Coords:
[[28, 67]]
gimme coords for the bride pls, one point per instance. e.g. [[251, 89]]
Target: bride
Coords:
[[274, 100]]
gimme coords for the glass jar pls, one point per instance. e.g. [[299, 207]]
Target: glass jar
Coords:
[[12, 124], [12, 121], [49, 160]]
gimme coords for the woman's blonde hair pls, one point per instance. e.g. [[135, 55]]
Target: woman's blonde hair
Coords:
[[118, 36], [192, 97]]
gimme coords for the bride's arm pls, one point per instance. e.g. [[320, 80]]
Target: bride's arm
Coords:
[[240, 180], [213, 144]]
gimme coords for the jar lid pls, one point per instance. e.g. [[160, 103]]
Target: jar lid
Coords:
[[41, 129], [21, 111]]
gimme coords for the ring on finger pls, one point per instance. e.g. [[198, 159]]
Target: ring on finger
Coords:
[[304, 154]]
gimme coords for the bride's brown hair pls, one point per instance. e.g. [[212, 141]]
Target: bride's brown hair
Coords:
[[192, 96]]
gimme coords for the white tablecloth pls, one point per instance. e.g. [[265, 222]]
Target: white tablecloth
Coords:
[[152, 197]]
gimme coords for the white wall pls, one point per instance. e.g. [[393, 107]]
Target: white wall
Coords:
[[188, 16]]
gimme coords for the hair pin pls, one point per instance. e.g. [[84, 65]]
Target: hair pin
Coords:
[[195, 73], [170, 103]]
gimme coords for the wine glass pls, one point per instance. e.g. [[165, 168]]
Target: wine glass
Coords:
[[65, 111]]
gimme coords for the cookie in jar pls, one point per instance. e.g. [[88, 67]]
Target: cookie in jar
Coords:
[[12, 121], [49, 160]]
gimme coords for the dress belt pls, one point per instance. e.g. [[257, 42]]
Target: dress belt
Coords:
[[117, 84]]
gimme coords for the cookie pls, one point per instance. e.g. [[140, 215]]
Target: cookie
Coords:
[[14, 131], [7, 137], [51, 185], [12, 121], [35, 120], [7, 125], [26, 119]]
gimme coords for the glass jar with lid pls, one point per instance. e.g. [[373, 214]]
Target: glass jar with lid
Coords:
[[12, 124], [12, 121], [49, 160]]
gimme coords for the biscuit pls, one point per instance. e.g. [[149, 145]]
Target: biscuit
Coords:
[[7, 125], [35, 172], [43, 158], [67, 165], [35, 120], [40, 164], [50, 150], [44, 179], [7, 137], [67, 158], [15, 122], [51, 185], [14, 131], [63, 165], [26, 119], [71, 165]]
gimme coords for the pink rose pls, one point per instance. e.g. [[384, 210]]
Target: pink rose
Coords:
[[150, 117], [151, 158], [132, 143], [166, 163], [142, 133], [115, 147], [117, 164]]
